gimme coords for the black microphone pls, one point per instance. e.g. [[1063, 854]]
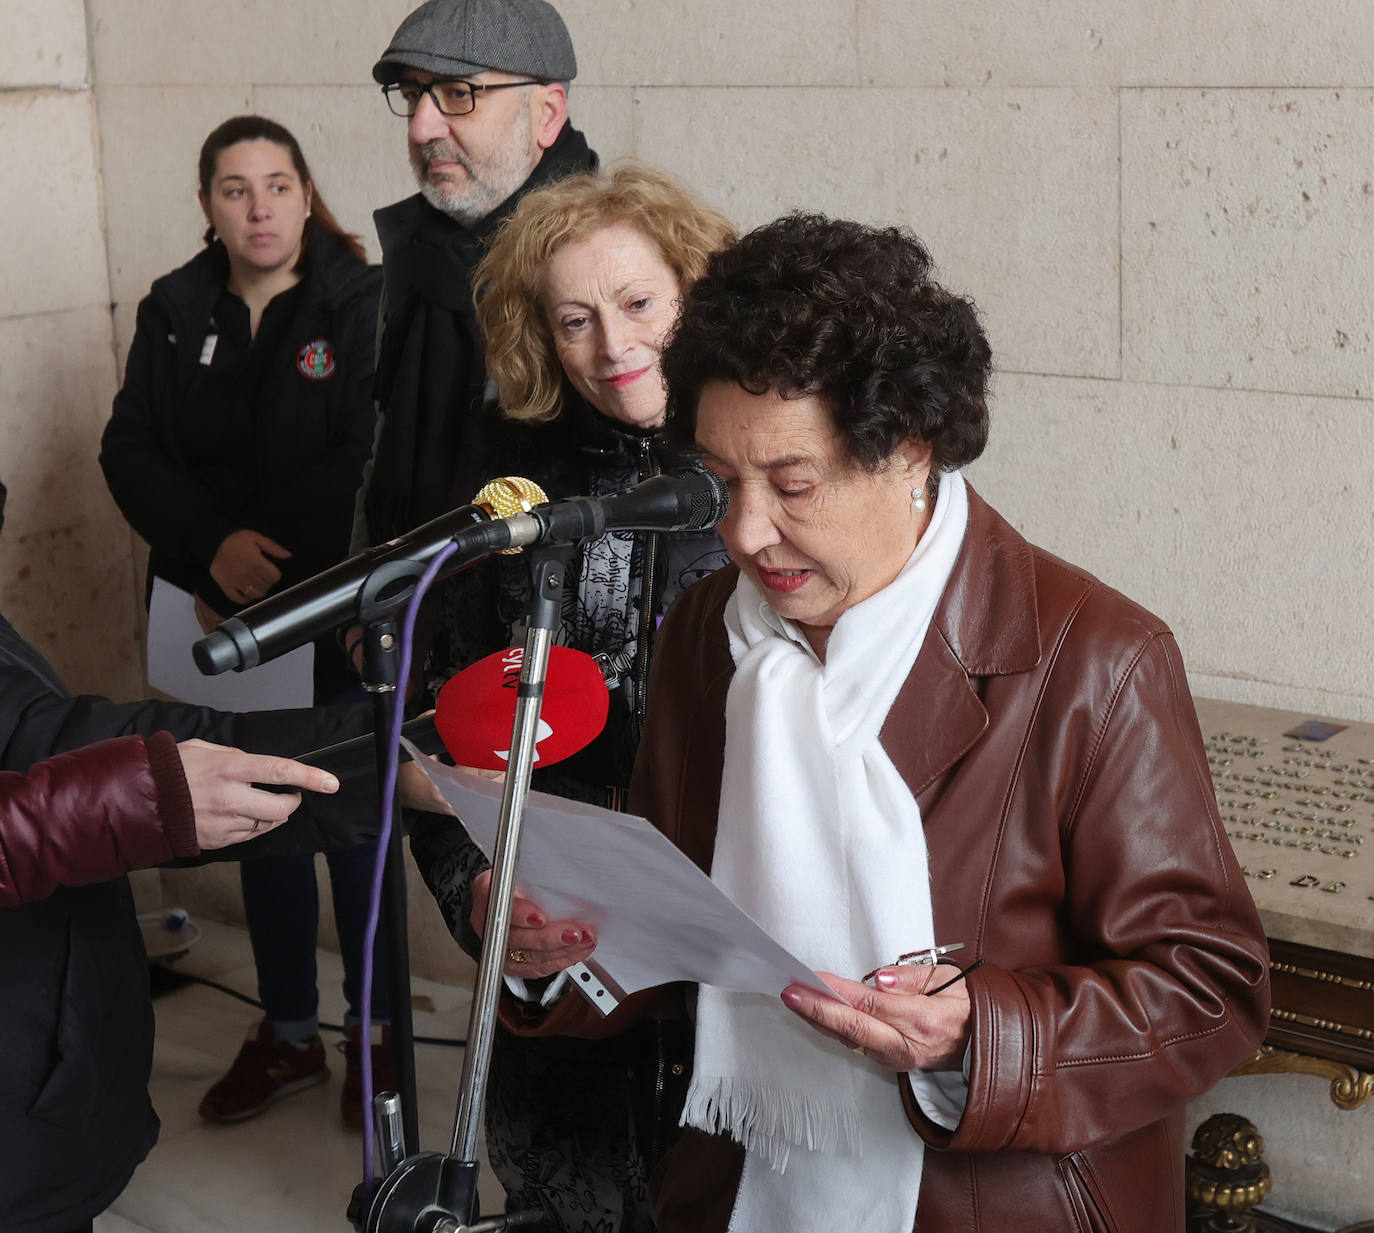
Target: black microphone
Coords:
[[692, 499], [348, 759], [384, 578], [374, 583]]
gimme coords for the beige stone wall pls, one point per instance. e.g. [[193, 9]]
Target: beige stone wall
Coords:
[[65, 553], [1163, 211]]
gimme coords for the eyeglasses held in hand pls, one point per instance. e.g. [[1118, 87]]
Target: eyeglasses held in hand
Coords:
[[928, 958], [452, 98]]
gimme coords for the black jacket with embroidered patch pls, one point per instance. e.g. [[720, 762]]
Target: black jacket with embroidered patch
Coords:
[[311, 431]]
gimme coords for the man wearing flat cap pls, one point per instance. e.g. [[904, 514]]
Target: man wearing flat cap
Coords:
[[483, 87]]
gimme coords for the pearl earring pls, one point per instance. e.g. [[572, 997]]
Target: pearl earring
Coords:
[[918, 500]]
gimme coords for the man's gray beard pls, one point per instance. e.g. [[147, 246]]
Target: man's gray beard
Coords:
[[476, 202], [469, 203]]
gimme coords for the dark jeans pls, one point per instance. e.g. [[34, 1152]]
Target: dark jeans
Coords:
[[282, 904]]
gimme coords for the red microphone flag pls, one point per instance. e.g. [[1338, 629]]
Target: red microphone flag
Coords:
[[475, 709]]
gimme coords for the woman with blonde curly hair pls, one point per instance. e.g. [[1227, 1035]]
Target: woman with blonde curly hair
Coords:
[[576, 298], [636, 215]]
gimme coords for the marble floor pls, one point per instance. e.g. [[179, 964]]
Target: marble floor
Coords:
[[293, 1168]]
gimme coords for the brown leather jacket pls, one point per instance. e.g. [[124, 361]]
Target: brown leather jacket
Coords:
[[1047, 731]]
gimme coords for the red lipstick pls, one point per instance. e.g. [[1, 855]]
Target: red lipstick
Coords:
[[784, 582], [622, 379]]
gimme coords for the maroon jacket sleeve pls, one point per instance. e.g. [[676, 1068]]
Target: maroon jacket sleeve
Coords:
[[93, 814]]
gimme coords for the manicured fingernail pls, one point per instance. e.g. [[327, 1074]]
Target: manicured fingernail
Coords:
[[534, 919], [888, 980], [571, 937], [792, 998]]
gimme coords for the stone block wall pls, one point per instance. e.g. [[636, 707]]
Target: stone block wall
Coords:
[[1161, 212], [65, 555]]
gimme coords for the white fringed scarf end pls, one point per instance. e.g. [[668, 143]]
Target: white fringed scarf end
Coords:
[[769, 1118]]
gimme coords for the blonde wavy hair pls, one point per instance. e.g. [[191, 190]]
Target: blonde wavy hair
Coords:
[[521, 357]]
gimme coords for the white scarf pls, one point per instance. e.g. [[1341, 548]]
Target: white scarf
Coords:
[[820, 841]]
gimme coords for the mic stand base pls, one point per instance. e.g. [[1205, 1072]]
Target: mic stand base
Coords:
[[429, 1193]]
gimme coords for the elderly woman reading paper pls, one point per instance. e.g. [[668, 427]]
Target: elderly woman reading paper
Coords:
[[893, 724]]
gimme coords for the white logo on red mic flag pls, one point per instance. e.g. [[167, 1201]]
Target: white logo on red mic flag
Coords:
[[544, 732]]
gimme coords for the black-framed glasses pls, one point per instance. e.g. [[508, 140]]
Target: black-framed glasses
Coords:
[[452, 98]]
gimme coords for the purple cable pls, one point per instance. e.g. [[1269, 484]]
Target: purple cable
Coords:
[[374, 910]]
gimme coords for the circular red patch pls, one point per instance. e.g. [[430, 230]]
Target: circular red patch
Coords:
[[316, 360]]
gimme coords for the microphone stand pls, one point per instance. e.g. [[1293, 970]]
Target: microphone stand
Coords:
[[385, 589], [428, 1192], [381, 655]]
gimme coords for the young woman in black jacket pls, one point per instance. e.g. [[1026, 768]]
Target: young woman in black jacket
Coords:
[[235, 448]]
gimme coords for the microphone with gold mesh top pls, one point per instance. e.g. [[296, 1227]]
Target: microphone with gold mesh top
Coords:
[[692, 499], [366, 587], [507, 515], [509, 496]]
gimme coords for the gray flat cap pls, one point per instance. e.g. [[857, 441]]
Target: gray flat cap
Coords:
[[457, 38]]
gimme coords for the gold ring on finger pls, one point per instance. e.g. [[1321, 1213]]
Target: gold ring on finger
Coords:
[[859, 1049], [517, 955]]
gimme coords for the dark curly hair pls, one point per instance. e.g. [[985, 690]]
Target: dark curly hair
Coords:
[[812, 306]]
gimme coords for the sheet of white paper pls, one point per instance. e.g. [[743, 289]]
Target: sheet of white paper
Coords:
[[658, 918], [287, 681]]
